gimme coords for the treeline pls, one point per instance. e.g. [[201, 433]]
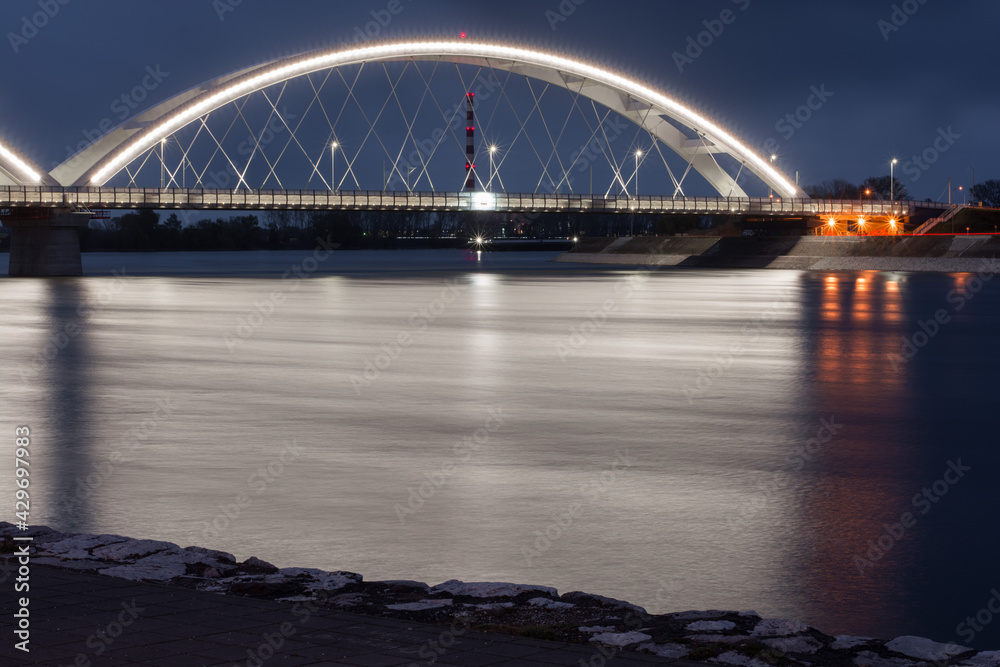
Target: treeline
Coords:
[[144, 230], [878, 187]]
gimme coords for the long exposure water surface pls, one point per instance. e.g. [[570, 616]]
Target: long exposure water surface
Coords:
[[647, 436]]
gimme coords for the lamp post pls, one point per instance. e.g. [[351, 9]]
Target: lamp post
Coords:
[[892, 183], [770, 190], [163, 165], [333, 166], [638, 154], [493, 150], [973, 190]]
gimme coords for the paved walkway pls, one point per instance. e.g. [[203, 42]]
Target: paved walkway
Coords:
[[85, 619]]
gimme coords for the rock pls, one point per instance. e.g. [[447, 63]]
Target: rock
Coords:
[[669, 651], [598, 628], [925, 649], [320, 579], [734, 658], [695, 615], [132, 550], [718, 639], [709, 626], [847, 641], [546, 603], [347, 600], [983, 659], [77, 547], [148, 569], [496, 606], [254, 565], [404, 583], [578, 596], [871, 659], [802, 644], [423, 605], [87, 565], [620, 639], [749, 612], [485, 589], [778, 627]]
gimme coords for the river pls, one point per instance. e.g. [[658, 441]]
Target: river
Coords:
[[681, 438]]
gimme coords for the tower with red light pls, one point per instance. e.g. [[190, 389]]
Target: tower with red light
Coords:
[[470, 143]]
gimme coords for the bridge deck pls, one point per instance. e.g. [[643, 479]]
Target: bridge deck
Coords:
[[255, 200]]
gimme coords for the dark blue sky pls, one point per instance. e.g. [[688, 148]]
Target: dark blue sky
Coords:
[[894, 91]]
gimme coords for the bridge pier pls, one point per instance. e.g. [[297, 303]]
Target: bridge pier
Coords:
[[45, 242]]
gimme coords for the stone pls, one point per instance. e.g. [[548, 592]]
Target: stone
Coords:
[[710, 626], [801, 644], [546, 603], [597, 628], [718, 639], [842, 642], [496, 606], [871, 659], [778, 627], [486, 589], [983, 659], [668, 651], [620, 639], [132, 550], [925, 649], [578, 596], [254, 565], [734, 658], [423, 605]]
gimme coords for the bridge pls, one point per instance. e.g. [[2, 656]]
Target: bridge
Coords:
[[437, 125]]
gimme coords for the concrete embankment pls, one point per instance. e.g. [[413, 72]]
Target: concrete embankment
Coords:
[[944, 254]]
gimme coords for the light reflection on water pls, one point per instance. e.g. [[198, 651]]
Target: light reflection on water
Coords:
[[707, 382]]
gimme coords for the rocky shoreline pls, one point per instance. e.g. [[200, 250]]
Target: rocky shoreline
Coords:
[[722, 637]]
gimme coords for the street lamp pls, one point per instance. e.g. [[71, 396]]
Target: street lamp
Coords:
[[965, 197], [973, 185], [333, 165], [770, 190], [163, 164], [892, 181], [493, 150], [638, 154]]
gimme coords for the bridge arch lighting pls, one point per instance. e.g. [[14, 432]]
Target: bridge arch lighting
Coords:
[[19, 168], [642, 104]]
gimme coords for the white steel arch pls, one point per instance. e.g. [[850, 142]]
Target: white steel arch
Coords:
[[645, 106], [15, 169]]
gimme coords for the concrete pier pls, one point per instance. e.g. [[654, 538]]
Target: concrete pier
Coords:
[[45, 242]]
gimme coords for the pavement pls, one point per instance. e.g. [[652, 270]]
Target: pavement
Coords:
[[83, 619]]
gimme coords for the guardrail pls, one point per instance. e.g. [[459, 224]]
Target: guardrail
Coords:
[[255, 200]]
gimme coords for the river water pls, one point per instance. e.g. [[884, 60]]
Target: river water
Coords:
[[683, 439]]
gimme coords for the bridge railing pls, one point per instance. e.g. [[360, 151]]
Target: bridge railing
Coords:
[[179, 198]]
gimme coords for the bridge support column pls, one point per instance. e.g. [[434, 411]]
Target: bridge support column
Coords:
[[45, 242]]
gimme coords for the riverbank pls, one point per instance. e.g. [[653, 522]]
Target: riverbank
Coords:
[[942, 254], [525, 610]]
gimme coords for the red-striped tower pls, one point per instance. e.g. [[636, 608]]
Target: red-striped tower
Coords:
[[470, 144]]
